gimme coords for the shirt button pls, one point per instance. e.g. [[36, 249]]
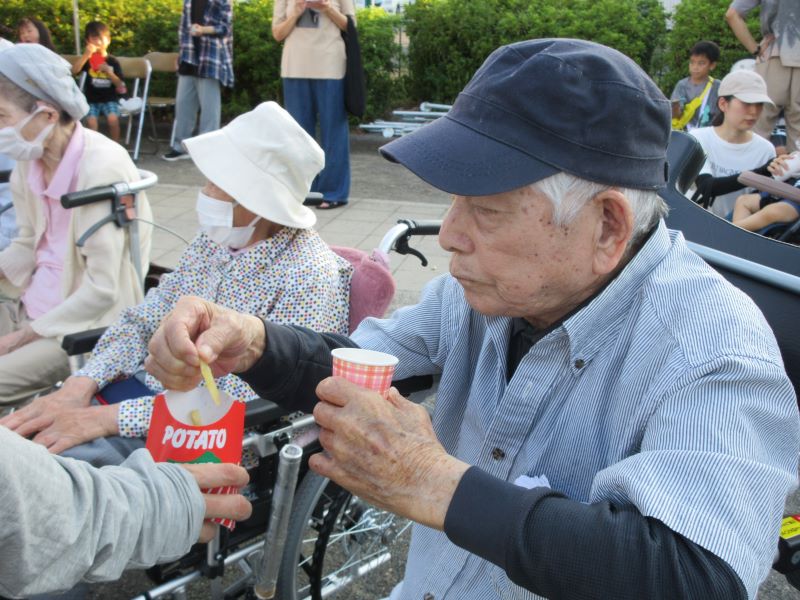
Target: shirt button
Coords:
[[498, 454], [428, 596], [579, 364]]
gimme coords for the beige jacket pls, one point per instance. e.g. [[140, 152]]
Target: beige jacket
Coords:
[[99, 279]]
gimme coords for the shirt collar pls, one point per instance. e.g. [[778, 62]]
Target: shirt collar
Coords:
[[66, 174], [590, 327], [267, 250]]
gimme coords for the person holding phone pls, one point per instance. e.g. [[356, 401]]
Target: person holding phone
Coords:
[[312, 70]]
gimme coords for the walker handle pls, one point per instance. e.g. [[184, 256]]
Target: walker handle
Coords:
[[98, 194]]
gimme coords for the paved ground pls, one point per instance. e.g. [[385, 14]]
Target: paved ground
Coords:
[[381, 193]]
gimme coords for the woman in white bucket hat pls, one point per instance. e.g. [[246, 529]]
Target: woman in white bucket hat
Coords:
[[256, 253]]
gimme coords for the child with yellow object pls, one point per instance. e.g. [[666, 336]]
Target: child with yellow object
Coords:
[[694, 99]]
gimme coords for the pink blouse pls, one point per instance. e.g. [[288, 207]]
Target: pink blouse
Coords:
[[45, 289]]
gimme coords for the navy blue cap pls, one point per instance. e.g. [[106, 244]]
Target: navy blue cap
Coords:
[[539, 107]]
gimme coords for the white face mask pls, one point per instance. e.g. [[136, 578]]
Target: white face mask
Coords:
[[17, 147], [216, 220]]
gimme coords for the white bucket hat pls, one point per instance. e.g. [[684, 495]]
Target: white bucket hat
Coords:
[[265, 161]]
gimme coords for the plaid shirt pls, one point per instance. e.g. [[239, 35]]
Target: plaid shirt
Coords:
[[214, 59]]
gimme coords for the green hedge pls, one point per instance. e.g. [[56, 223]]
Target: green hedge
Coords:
[[449, 39], [141, 26], [696, 20]]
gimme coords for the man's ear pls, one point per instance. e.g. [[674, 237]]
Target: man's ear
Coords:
[[613, 230]]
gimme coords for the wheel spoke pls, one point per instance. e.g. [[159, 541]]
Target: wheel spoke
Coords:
[[344, 540]]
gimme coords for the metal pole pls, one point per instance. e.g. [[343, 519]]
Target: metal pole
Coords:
[[282, 500], [76, 26]]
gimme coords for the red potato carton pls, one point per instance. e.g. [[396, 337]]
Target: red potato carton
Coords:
[[189, 427]]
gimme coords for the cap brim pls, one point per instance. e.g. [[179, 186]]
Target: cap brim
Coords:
[[458, 160], [754, 98], [222, 163]]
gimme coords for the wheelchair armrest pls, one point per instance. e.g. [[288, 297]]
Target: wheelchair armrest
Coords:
[[81, 342], [770, 185], [261, 411]]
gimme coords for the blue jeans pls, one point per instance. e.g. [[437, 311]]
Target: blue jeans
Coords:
[[308, 100]]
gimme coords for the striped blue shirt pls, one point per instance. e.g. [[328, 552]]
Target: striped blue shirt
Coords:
[[666, 392]]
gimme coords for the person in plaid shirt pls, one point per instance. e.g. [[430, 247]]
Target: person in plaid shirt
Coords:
[[205, 64]]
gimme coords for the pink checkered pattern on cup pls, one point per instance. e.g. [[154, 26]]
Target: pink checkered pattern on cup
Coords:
[[376, 377]]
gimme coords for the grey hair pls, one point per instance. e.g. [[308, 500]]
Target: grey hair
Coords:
[[16, 95], [26, 101], [569, 194]]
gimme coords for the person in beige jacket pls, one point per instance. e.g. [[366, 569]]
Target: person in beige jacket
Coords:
[[51, 287]]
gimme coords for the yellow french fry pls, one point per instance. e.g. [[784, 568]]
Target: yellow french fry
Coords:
[[210, 383], [195, 417]]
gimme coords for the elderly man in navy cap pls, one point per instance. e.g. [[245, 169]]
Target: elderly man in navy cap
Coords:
[[596, 429]]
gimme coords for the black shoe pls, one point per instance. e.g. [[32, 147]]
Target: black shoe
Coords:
[[174, 155]]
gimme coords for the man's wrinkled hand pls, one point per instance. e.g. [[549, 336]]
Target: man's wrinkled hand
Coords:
[[384, 451], [230, 342], [220, 506]]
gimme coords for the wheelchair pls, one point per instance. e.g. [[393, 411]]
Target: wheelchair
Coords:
[[767, 270], [788, 232], [122, 197], [332, 542], [311, 539]]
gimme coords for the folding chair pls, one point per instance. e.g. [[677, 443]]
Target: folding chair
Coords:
[[162, 62], [72, 59], [138, 70]]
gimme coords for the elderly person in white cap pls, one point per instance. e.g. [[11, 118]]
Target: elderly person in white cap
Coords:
[[256, 253], [57, 287], [730, 144]]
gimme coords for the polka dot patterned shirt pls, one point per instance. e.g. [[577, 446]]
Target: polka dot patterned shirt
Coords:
[[292, 278]]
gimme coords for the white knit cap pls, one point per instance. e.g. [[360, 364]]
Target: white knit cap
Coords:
[[45, 75]]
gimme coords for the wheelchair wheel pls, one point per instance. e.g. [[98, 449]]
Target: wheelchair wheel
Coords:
[[338, 546]]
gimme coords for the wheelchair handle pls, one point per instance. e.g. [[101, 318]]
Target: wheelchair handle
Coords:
[[109, 192], [396, 239], [772, 186]]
